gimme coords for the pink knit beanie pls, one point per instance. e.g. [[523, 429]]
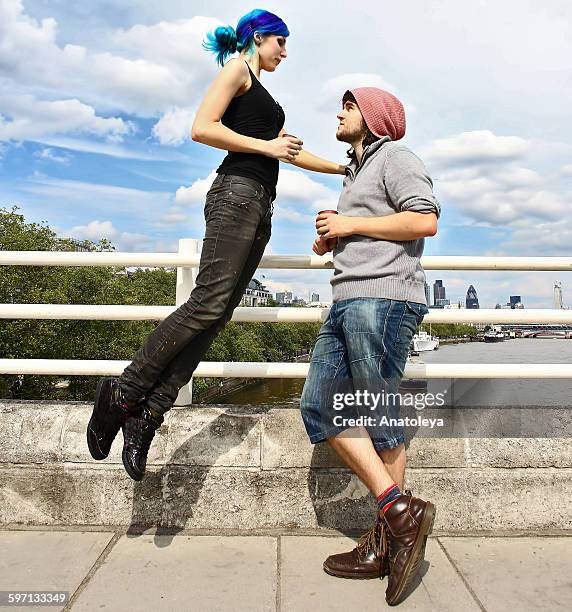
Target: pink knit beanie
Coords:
[[382, 112]]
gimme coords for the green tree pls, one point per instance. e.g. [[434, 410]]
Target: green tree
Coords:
[[47, 339]]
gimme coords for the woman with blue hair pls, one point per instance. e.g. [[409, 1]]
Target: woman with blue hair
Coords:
[[239, 115]]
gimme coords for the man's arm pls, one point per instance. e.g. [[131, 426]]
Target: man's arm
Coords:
[[410, 192], [405, 225], [398, 227]]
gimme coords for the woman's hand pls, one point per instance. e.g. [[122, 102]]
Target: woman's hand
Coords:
[[330, 225], [284, 148], [321, 246]]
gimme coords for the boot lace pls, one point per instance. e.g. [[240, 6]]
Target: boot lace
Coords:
[[372, 540]]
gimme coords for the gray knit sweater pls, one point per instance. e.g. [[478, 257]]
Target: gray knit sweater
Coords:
[[390, 179]]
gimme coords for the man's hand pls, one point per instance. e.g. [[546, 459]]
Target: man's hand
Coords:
[[330, 225], [321, 246]]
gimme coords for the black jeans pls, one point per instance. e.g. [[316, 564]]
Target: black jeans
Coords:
[[238, 215]]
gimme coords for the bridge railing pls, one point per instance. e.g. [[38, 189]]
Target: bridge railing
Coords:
[[187, 260]]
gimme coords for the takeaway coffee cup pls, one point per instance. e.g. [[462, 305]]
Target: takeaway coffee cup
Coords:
[[331, 242]]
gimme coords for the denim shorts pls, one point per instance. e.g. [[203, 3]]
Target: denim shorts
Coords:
[[361, 350]]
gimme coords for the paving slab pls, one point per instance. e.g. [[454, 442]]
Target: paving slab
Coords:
[[305, 586], [516, 573], [185, 573], [47, 561]]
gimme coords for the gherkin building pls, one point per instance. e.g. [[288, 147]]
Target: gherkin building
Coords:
[[472, 300]]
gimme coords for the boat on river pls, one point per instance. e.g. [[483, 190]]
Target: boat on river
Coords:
[[422, 341]]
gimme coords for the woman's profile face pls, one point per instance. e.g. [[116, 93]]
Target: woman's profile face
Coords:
[[272, 50]]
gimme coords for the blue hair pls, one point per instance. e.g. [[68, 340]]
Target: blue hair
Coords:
[[225, 41]]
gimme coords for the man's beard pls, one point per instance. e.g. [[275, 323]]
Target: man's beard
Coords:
[[349, 137], [344, 137]]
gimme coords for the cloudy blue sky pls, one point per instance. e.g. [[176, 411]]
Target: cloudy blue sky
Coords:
[[97, 99]]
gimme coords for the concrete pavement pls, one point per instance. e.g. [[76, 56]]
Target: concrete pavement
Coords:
[[282, 571]]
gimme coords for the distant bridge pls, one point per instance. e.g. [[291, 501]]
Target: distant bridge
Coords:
[[545, 333]]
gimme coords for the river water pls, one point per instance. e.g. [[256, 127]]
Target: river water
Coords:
[[490, 392]]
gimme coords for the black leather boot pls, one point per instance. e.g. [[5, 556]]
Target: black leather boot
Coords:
[[110, 411], [138, 433]]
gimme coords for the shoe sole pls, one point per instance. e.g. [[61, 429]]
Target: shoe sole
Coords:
[[92, 442], [349, 576], [417, 554]]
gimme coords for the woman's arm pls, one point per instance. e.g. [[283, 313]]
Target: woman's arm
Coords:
[[309, 161], [208, 129]]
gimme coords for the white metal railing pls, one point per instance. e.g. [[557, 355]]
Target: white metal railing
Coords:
[[250, 369], [187, 260], [273, 315]]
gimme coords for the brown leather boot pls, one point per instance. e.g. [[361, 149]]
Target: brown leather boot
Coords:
[[369, 559], [409, 520]]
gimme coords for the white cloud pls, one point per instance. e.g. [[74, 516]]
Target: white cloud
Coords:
[[487, 200], [80, 200], [298, 186], [291, 214], [96, 230], [480, 176], [333, 89], [541, 239], [174, 127], [25, 118], [477, 147], [197, 192], [467, 183], [566, 170], [175, 44], [174, 217], [112, 149], [100, 189], [167, 66], [51, 155]]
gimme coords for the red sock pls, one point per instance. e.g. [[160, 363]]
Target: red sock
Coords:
[[386, 499]]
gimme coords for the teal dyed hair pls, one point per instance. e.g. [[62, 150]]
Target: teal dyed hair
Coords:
[[225, 41]]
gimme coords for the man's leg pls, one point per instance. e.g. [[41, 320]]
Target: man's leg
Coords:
[[355, 448], [394, 460], [369, 328], [329, 373], [376, 334], [392, 368]]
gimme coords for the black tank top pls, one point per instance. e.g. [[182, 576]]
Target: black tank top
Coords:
[[258, 115]]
